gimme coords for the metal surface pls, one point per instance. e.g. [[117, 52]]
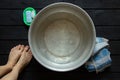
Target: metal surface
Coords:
[[62, 37]]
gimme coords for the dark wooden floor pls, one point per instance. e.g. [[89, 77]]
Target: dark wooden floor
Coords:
[[105, 14]]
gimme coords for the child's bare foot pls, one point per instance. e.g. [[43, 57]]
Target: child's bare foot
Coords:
[[14, 55], [25, 58]]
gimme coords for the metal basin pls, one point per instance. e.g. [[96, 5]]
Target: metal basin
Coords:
[[62, 37]]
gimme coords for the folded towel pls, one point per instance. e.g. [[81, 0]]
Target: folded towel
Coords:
[[100, 58]]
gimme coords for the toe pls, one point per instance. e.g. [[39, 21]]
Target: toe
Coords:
[[22, 47], [29, 51], [13, 48], [18, 47], [26, 48]]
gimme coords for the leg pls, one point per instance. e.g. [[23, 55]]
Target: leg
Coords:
[[4, 69], [13, 58], [23, 61]]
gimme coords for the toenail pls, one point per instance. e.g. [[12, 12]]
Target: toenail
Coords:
[[27, 46]]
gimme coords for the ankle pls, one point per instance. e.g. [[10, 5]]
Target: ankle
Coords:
[[8, 67]]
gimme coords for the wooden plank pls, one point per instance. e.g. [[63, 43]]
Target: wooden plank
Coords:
[[11, 17], [109, 32], [13, 32], [114, 47], [100, 17], [6, 45], [3, 59], [96, 4], [21, 32], [105, 17], [69, 76], [42, 3], [23, 4]]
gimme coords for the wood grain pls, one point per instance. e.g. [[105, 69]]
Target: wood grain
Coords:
[[21, 32], [20, 4], [105, 15], [99, 17]]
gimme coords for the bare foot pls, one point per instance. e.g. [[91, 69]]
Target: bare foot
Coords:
[[14, 55], [24, 59]]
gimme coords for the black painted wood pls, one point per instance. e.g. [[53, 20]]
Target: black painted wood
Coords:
[[21, 32], [100, 17], [13, 32], [70, 76], [20, 4], [6, 45], [105, 15], [109, 32]]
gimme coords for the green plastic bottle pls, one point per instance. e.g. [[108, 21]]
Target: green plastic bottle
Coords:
[[28, 14]]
